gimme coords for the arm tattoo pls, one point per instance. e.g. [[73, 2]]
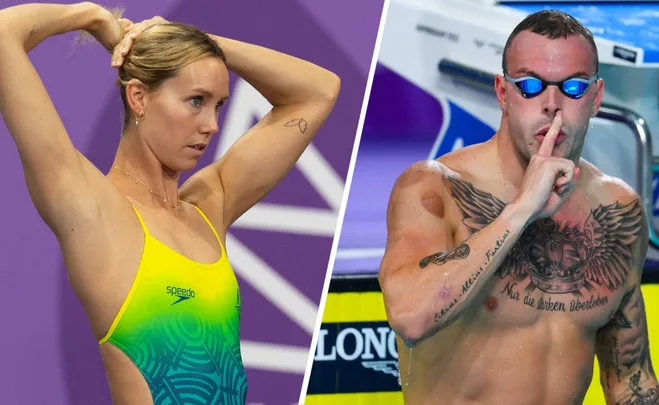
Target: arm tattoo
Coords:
[[609, 349], [634, 342], [460, 252], [624, 352], [471, 280], [619, 320], [641, 396], [301, 123]]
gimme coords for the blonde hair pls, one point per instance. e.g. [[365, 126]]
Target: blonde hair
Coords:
[[159, 53]]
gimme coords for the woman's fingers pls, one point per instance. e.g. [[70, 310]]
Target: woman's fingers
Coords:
[[122, 49], [132, 31], [128, 42]]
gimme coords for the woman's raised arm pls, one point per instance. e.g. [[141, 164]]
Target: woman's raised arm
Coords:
[[63, 184]]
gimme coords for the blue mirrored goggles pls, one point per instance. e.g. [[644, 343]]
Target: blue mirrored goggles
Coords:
[[529, 86]]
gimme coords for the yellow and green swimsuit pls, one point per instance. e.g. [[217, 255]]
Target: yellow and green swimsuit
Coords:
[[180, 325]]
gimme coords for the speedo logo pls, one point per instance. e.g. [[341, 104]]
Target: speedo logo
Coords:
[[182, 293]]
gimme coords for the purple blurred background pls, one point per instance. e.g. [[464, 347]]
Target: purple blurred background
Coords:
[[401, 124]]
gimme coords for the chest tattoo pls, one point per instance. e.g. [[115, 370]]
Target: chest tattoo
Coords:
[[583, 261]]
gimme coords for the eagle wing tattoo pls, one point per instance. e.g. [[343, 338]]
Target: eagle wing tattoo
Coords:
[[609, 233]]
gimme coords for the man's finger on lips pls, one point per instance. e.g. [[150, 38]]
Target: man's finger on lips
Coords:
[[548, 142], [547, 145]]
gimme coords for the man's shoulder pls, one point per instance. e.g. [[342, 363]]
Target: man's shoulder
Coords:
[[617, 189], [608, 189], [441, 174], [424, 172]]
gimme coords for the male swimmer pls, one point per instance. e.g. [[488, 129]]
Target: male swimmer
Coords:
[[510, 264], [169, 328]]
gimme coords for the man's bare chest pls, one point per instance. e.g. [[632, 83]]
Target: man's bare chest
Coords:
[[577, 265]]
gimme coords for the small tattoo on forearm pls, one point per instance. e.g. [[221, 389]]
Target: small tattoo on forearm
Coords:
[[471, 280], [459, 252], [490, 253], [640, 395], [444, 294], [439, 315], [301, 123]]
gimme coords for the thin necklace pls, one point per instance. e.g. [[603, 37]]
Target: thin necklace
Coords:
[[139, 182]]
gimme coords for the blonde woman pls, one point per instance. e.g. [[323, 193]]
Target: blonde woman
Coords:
[[146, 257]]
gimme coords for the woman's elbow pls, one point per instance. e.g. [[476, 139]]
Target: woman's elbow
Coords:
[[329, 88]]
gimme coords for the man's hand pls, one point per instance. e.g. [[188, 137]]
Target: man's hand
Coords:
[[548, 180]]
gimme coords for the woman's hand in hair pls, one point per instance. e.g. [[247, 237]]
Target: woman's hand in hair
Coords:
[[131, 31]]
